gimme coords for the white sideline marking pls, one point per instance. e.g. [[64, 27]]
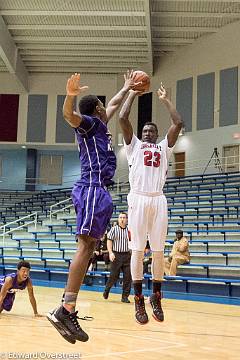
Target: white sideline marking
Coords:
[[142, 337], [149, 349]]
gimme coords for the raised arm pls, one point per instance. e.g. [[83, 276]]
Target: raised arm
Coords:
[[73, 89], [124, 122], [116, 101], [177, 123]]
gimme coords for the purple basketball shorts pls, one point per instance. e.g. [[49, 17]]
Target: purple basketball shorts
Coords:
[[8, 302], [94, 207]]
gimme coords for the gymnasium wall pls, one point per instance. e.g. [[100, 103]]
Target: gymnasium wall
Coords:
[[40, 111], [39, 123], [13, 169], [217, 58], [71, 168]]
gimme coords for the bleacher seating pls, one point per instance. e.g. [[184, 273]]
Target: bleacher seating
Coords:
[[206, 207]]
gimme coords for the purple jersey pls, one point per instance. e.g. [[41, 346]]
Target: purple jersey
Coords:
[[9, 299], [15, 285], [98, 161]]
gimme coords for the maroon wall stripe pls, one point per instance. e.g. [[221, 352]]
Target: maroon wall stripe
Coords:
[[8, 117]]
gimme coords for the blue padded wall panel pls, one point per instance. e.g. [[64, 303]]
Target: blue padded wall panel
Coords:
[[37, 118], [228, 109], [184, 101], [205, 101], [64, 132]]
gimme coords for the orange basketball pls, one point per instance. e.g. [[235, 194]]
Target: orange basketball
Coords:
[[144, 78]]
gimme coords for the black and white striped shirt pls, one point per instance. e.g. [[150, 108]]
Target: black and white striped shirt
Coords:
[[120, 238]]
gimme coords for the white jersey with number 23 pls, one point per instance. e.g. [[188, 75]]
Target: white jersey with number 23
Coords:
[[147, 206], [148, 165]]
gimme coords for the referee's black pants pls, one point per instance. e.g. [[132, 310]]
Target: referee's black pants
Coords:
[[121, 263]]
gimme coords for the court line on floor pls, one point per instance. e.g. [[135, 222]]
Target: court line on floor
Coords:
[[200, 312], [45, 324], [149, 349], [143, 337]]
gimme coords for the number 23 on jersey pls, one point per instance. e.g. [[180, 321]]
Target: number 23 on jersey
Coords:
[[152, 159]]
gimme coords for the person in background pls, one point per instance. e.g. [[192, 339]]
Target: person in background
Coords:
[[179, 254], [14, 282], [120, 257]]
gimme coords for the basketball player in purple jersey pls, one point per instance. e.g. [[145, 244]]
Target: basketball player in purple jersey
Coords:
[[12, 283], [93, 203]]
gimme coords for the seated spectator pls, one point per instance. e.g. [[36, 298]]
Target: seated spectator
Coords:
[[179, 254], [147, 260]]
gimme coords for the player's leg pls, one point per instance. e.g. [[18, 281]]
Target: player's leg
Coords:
[[137, 224], [8, 302], [77, 270], [114, 275], [127, 279], [158, 223], [157, 278], [65, 316], [93, 206], [137, 280]]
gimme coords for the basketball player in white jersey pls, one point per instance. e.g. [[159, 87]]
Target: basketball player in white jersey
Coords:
[[147, 206]]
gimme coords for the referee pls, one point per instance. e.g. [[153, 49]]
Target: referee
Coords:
[[120, 257]]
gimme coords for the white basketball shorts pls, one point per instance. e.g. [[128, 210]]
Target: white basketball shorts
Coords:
[[147, 220]]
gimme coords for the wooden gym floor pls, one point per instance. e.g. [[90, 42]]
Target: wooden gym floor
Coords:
[[191, 330]]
